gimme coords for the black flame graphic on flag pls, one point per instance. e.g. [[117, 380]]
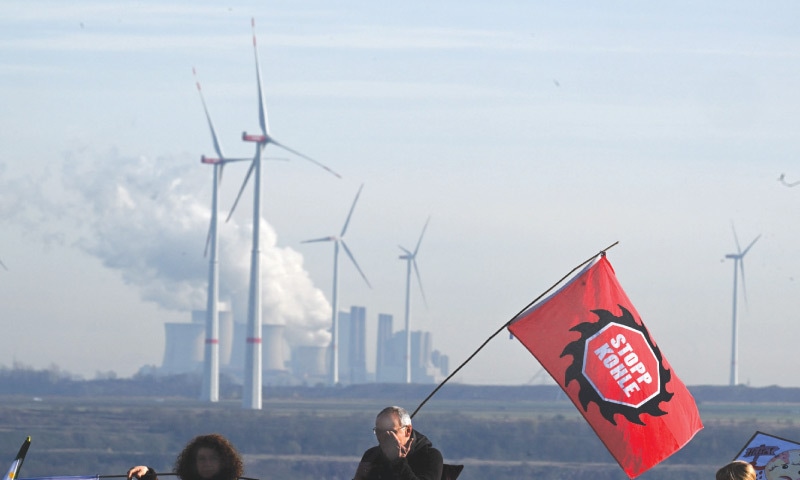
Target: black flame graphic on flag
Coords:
[[587, 392]]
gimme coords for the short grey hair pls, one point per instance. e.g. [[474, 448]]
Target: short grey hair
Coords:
[[402, 414]]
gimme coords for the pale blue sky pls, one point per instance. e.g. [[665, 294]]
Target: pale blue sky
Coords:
[[533, 134]]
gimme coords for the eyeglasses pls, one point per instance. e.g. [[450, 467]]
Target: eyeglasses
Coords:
[[387, 432]]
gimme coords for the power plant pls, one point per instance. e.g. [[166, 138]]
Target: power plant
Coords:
[[284, 364], [263, 353]]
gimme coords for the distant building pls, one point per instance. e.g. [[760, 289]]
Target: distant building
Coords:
[[358, 345], [310, 365], [183, 352], [383, 352], [353, 346], [427, 365]]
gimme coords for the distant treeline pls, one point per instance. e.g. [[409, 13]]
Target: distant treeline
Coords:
[[22, 380]]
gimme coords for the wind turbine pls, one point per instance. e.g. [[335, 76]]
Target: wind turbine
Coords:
[[210, 389], [251, 397], [337, 240], [411, 260], [738, 265]]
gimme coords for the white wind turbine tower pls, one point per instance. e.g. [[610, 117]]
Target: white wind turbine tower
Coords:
[[738, 265], [210, 390], [411, 260], [251, 396], [337, 240]]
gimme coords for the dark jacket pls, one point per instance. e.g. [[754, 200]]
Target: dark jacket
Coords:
[[423, 462]]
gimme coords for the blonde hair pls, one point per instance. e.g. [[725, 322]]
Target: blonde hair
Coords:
[[737, 470]]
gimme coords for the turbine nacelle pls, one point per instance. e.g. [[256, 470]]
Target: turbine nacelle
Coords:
[[210, 160], [257, 138]]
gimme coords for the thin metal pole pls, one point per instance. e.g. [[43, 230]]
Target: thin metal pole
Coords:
[[602, 252]]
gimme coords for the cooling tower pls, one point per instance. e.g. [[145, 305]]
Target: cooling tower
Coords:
[[343, 346], [183, 347], [272, 348], [236, 363], [225, 332], [309, 364], [225, 337]]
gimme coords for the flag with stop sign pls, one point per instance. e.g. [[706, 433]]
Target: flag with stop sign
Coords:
[[591, 340]]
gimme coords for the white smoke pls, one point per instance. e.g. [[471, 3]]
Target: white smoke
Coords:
[[148, 219]]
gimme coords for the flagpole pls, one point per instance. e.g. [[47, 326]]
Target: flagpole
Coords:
[[601, 253]]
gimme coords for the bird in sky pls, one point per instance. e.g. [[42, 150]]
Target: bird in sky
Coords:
[[782, 179]]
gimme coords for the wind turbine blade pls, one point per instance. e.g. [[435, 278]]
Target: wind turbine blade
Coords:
[[421, 235], [241, 189], [262, 110], [239, 159], [3, 265], [419, 281], [272, 140], [353, 259], [323, 239], [750, 246], [736, 239], [353, 207], [405, 250], [741, 267], [217, 148], [225, 161]]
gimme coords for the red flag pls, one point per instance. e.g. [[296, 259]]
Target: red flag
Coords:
[[591, 340]]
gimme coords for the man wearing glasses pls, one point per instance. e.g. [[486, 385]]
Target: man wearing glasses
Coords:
[[402, 453]]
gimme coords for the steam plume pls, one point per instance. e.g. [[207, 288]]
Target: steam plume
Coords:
[[148, 219]]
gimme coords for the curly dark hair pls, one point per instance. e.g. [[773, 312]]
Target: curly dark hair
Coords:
[[231, 466]]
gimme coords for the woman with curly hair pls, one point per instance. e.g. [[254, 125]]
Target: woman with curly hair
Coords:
[[206, 457]]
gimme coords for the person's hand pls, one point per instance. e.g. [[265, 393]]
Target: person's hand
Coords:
[[393, 448], [404, 449], [138, 471]]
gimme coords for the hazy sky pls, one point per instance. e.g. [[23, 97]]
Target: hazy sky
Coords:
[[532, 133]]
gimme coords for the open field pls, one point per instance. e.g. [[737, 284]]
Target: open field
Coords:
[[308, 434]]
